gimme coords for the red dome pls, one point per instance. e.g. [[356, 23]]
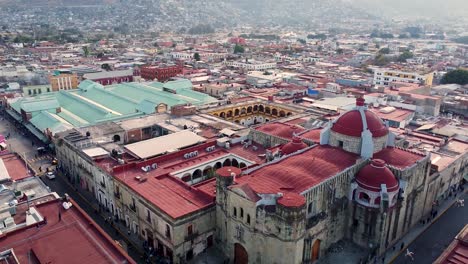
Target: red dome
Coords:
[[292, 200], [293, 146], [350, 124], [373, 175]]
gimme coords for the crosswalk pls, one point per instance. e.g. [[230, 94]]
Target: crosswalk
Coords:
[[43, 157]]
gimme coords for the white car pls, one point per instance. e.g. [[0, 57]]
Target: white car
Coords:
[[50, 175]]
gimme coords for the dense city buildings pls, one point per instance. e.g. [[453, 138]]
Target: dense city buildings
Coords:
[[160, 72], [308, 132]]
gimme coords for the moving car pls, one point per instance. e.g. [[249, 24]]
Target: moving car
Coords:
[[50, 175]]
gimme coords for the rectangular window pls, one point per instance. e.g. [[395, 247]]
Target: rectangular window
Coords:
[[148, 215], [190, 230], [340, 143]]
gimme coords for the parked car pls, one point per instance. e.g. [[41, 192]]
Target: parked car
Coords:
[[50, 175]]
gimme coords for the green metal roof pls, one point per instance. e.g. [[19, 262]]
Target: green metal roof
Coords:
[[92, 103], [40, 104]]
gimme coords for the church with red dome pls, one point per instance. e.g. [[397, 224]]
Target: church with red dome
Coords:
[[353, 184]]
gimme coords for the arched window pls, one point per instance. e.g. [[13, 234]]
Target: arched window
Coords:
[[377, 201], [234, 212], [242, 212], [364, 197], [168, 231], [248, 219], [309, 208]]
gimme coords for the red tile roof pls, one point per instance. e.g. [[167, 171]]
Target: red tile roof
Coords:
[[74, 239], [312, 135], [399, 158], [15, 166], [397, 115], [280, 130], [299, 172], [166, 191], [171, 195]]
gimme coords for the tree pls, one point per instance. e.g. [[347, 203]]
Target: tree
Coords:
[[196, 56], [405, 55], [381, 60], [106, 67], [384, 51], [238, 49], [317, 36], [462, 40], [302, 41], [86, 51], [459, 76]]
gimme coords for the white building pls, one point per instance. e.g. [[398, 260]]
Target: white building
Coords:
[[385, 77], [251, 65]]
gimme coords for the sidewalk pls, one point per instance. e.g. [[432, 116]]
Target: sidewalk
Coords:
[[416, 231]]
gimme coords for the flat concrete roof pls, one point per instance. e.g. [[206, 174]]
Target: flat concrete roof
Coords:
[[168, 143], [95, 152]]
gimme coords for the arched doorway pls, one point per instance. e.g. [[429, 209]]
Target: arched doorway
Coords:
[[116, 138], [235, 163], [240, 254], [274, 112], [315, 250]]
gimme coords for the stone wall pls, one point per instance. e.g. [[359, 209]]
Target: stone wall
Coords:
[[353, 144]]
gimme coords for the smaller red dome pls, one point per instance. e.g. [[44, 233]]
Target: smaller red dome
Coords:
[[292, 200], [293, 146], [373, 175]]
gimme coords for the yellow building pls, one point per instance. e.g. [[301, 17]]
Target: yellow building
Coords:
[[62, 80]]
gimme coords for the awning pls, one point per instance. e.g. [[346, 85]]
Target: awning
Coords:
[[37, 133], [13, 114]]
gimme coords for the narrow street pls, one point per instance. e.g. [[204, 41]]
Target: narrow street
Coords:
[[25, 145], [432, 242]]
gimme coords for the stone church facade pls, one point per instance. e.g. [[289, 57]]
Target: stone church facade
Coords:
[[355, 185]]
